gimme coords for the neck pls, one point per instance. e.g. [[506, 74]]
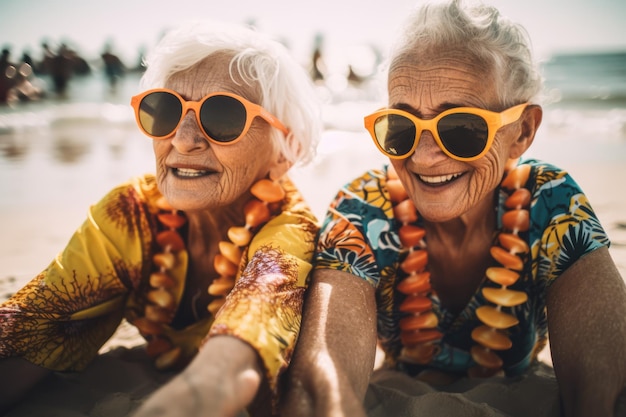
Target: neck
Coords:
[[462, 230]]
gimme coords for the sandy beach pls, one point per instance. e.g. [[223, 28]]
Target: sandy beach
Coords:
[[57, 160]]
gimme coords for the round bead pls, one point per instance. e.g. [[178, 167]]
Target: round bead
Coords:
[[411, 236], [495, 318], [161, 297], [516, 178], [268, 191], [170, 239], [491, 338], [517, 220], [519, 199], [240, 236], [172, 220], [221, 286], [513, 243], [415, 283], [230, 251], [164, 260], [504, 297], [507, 259], [486, 357], [256, 213], [396, 191], [502, 276], [405, 212], [427, 320], [161, 279], [223, 266], [415, 261], [416, 304]]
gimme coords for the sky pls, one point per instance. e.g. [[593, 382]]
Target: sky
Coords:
[[554, 25]]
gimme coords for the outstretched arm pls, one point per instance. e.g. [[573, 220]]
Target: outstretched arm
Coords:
[[587, 325], [222, 380], [335, 353]]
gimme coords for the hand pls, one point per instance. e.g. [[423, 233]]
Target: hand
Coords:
[[221, 381]]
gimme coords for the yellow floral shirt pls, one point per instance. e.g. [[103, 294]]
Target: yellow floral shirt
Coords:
[[62, 317]]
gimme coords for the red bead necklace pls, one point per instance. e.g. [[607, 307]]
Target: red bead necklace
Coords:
[[164, 291], [418, 328]]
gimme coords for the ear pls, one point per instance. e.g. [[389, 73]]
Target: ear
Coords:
[[280, 167], [282, 164], [530, 121]]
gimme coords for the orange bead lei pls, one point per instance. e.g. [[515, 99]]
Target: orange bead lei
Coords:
[[161, 297], [418, 327]]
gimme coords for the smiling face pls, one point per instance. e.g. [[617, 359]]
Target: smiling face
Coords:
[[443, 188], [195, 174]]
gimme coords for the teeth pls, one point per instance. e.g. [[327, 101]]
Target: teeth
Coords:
[[438, 179], [188, 172]]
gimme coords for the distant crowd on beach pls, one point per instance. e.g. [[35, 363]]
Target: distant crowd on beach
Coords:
[[22, 77]]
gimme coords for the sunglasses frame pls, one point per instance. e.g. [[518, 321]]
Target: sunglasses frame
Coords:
[[494, 121], [252, 111]]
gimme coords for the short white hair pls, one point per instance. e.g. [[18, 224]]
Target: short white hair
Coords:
[[484, 34], [261, 62]]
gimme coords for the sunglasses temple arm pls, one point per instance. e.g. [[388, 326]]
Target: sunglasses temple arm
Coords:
[[268, 117]]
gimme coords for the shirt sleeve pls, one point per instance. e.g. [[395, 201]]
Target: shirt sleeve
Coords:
[[358, 236], [264, 308], [564, 225], [61, 318]]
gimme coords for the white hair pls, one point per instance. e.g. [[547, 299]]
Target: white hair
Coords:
[[484, 34], [261, 62]]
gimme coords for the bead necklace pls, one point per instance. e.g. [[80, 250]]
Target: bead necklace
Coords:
[[164, 289], [418, 328]]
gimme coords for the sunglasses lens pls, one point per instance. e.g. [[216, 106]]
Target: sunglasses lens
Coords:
[[395, 134], [223, 118], [159, 113], [464, 135]]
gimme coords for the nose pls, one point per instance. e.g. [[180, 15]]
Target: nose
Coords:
[[427, 147], [188, 137]]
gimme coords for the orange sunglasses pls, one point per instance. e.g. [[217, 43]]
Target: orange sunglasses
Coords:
[[224, 118], [463, 133]]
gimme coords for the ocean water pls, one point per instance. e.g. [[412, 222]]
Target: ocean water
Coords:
[[59, 155]]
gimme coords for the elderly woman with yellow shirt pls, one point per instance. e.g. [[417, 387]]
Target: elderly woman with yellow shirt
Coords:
[[209, 257]]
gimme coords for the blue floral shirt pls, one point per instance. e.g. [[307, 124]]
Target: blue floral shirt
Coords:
[[360, 236]]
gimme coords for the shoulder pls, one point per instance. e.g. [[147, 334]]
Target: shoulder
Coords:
[[365, 196], [128, 201]]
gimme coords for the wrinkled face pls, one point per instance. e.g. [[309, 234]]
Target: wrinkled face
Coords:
[[443, 188], [195, 174]]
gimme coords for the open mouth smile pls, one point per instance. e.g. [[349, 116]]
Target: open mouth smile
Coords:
[[435, 180], [190, 172]]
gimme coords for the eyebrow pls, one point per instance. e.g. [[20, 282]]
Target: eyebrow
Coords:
[[440, 108]]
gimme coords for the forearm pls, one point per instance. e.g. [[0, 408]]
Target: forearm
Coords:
[[222, 380], [334, 357], [322, 389], [587, 343]]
